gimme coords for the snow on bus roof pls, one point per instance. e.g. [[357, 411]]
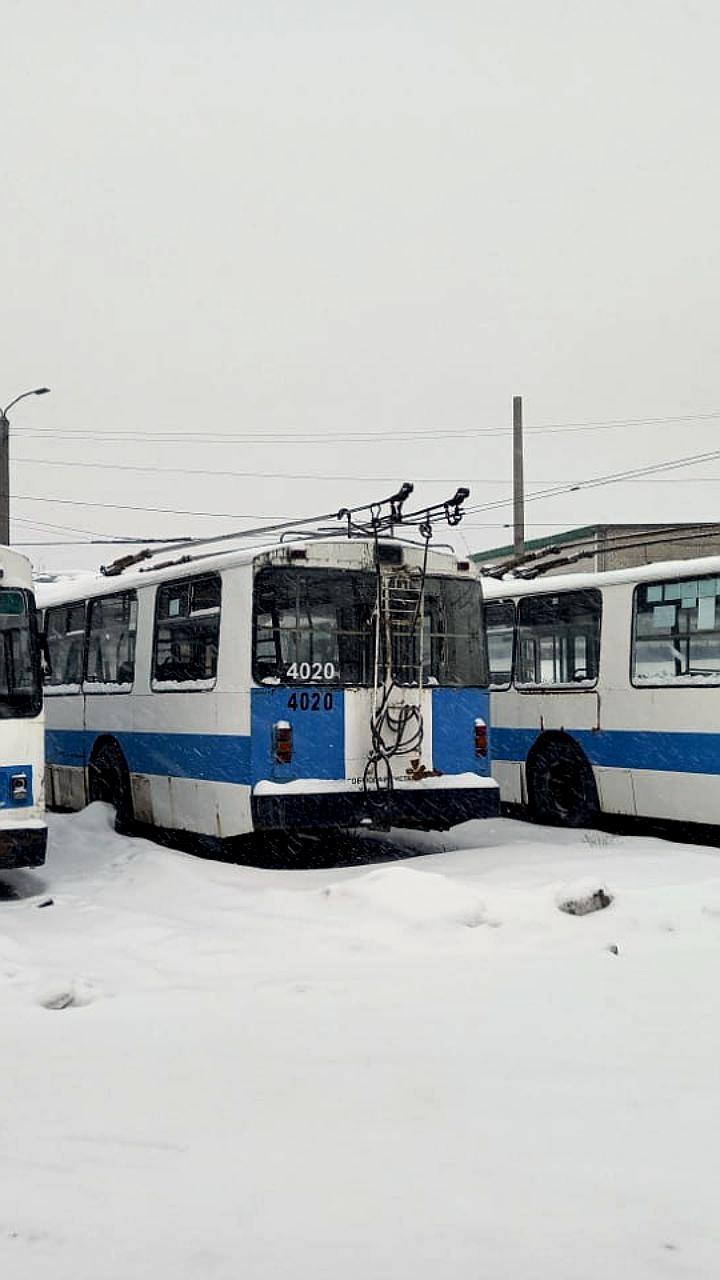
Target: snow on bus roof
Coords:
[[181, 562], [547, 583]]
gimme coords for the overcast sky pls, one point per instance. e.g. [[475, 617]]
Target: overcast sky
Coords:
[[297, 222]]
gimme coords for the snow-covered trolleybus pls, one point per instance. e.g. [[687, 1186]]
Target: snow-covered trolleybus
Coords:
[[333, 682], [606, 692], [23, 830]]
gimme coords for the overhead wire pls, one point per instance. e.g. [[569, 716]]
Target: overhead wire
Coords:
[[554, 491], [672, 464], [292, 435], [277, 475]]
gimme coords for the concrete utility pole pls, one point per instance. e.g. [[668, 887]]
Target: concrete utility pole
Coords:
[[518, 482], [5, 463]]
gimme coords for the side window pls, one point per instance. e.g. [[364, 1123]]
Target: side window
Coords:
[[187, 633], [500, 629], [111, 641], [65, 627], [559, 640], [676, 632]]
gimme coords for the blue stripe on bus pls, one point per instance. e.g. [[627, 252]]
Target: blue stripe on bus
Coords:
[[215, 757], [454, 712], [318, 723], [660, 751]]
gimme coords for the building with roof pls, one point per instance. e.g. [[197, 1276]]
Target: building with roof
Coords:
[[608, 546]]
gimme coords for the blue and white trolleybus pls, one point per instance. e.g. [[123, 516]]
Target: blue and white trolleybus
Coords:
[[606, 692], [334, 681]]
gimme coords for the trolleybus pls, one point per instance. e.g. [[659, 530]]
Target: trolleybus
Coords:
[[23, 829], [606, 692], [329, 682]]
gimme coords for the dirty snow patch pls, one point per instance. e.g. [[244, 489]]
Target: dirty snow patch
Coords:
[[583, 897]]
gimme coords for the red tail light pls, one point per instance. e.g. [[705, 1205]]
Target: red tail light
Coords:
[[481, 738], [283, 742]]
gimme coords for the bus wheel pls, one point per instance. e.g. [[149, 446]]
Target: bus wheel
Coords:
[[110, 782], [561, 786]]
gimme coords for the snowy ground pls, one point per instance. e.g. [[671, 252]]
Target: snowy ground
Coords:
[[411, 1070]]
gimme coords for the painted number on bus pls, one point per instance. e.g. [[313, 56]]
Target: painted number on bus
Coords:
[[311, 671], [307, 701]]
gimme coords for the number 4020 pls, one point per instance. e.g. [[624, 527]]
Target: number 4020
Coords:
[[311, 671], [310, 701]]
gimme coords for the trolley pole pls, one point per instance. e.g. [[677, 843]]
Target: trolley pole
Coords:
[[5, 463], [518, 482]]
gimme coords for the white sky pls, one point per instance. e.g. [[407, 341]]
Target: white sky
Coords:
[[314, 218]]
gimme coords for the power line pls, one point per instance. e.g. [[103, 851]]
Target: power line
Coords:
[[239, 475], [555, 491], [276, 475], [119, 506], [292, 436], [672, 464], [61, 528]]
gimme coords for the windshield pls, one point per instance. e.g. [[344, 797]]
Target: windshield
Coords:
[[20, 692], [317, 626]]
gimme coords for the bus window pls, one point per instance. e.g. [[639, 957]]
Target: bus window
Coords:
[[111, 640], [318, 626], [559, 639], [314, 626], [676, 632], [20, 691], [65, 627], [187, 632], [500, 628]]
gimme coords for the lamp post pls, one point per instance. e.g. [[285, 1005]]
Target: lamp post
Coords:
[[5, 463]]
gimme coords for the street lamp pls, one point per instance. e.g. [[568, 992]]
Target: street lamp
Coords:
[[5, 462]]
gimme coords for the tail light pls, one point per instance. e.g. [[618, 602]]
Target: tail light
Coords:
[[282, 741], [481, 738]]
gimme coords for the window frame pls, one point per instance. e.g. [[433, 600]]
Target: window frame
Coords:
[[489, 605], [66, 690], [203, 684], [570, 686], [32, 614], [666, 683], [315, 571], [87, 686]]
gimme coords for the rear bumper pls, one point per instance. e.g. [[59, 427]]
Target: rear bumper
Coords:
[[22, 847], [424, 809]]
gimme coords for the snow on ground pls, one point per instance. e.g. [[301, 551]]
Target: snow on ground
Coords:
[[407, 1070]]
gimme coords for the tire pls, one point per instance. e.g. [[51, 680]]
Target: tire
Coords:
[[561, 786], [110, 782]]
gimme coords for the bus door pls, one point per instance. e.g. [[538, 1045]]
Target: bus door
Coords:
[[558, 660]]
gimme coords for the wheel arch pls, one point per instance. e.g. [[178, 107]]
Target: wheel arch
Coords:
[[107, 740], [558, 741], [549, 737]]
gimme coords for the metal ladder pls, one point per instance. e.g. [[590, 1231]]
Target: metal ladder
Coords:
[[403, 623]]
